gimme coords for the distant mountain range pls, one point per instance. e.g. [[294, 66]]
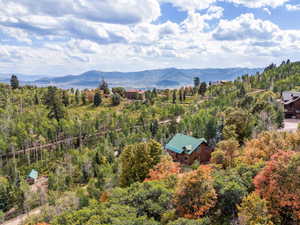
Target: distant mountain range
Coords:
[[5, 77], [161, 78]]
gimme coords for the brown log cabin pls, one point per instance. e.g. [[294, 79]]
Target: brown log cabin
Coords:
[[135, 94], [186, 149], [291, 101]]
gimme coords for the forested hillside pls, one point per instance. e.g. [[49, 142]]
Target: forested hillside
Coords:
[[103, 157]]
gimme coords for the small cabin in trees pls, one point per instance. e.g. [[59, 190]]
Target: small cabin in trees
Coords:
[[291, 101], [218, 82], [134, 94], [32, 176], [186, 149]]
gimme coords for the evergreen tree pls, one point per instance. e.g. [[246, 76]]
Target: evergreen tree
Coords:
[[65, 98], [242, 92], [14, 82], [116, 99], [184, 94], [119, 90], [97, 99], [137, 160], [154, 92], [202, 88], [174, 96], [104, 87], [54, 104], [196, 81], [36, 99], [77, 98], [5, 198], [154, 128], [180, 96], [83, 98]]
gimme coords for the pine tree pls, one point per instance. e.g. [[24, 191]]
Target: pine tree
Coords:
[[196, 81], [104, 87], [54, 104], [154, 92], [154, 128], [116, 99], [14, 82], [83, 98], [77, 98], [97, 99], [36, 99], [180, 96], [137, 160], [65, 98], [174, 96], [242, 92], [184, 94], [202, 88]]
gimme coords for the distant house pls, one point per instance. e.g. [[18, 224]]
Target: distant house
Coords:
[[32, 176], [186, 149], [135, 94], [219, 82], [291, 101]]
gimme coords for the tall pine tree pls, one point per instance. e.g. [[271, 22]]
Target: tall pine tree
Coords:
[[14, 82], [54, 104], [174, 96], [97, 99]]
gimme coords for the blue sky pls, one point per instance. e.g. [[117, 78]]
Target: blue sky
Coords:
[[56, 37]]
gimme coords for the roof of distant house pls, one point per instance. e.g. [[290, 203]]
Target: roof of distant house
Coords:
[[33, 174], [291, 100], [181, 143], [290, 95], [135, 91]]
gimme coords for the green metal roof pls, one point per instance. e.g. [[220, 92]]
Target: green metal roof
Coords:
[[181, 143], [33, 174]]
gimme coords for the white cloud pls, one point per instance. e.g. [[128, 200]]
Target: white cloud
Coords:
[[116, 12], [290, 7], [267, 11], [190, 5], [73, 36], [214, 12], [244, 27], [193, 5], [259, 3], [168, 28], [194, 22]]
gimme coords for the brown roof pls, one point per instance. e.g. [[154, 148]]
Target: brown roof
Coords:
[[135, 91]]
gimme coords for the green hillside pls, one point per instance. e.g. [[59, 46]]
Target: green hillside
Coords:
[[103, 159]]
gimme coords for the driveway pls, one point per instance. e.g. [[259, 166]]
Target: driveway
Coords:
[[21, 218], [290, 125]]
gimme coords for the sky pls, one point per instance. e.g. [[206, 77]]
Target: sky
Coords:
[[58, 37]]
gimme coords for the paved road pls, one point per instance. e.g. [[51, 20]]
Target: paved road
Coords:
[[290, 125], [21, 218]]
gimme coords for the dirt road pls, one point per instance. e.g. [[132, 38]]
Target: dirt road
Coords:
[[21, 218]]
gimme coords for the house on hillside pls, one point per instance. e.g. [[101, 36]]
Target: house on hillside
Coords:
[[218, 82], [32, 176], [291, 101], [134, 94], [186, 149]]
